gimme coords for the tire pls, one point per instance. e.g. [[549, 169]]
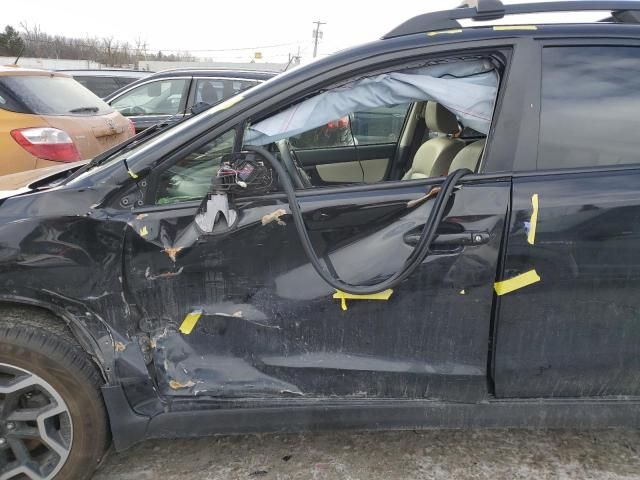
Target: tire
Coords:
[[39, 351]]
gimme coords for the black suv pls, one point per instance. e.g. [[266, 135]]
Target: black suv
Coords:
[[170, 94], [267, 265]]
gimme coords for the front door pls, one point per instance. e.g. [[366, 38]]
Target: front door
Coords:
[[243, 314], [153, 102]]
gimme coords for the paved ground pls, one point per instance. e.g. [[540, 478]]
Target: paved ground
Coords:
[[460, 455]]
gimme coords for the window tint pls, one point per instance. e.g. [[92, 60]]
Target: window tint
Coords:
[[590, 104], [211, 91], [101, 86], [124, 81], [162, 97], [49, 95], [190, 177], [378, 125], [336, 133], [240, 85]]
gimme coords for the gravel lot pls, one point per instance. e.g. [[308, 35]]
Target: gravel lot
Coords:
[[471, 454]]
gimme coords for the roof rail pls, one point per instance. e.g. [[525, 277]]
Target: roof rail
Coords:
[[622, 11]]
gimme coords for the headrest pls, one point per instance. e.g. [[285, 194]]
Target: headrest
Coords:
[[439, 119], [469, 156]]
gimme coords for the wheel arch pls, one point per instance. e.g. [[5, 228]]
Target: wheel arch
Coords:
[[79, 331]]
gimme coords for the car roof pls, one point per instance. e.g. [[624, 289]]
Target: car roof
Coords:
[[199, 72], [11, 70], [216, 72], [106, 73]]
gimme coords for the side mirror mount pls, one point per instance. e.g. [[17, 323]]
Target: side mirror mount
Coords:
[[199, 107]]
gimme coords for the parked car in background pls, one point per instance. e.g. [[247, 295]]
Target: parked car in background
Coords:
[[104, 82], [47, 117], [171, 94]]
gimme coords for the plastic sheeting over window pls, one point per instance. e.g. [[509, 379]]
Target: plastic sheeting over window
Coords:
[[467, 87]]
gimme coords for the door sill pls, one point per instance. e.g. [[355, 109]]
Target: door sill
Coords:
[[189, 419]]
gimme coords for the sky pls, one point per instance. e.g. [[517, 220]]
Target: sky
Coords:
[[223, 30]]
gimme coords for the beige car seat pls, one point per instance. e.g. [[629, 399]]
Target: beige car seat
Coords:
[[434, 156], [469, 156]]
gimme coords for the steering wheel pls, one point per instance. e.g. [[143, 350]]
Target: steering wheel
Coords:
[[298, 175]]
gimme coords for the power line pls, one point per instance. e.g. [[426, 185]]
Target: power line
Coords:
[[316, 35]]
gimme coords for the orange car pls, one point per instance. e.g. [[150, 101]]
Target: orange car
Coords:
[[47, 118]]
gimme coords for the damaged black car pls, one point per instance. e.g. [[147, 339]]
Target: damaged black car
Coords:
[[436, 229]]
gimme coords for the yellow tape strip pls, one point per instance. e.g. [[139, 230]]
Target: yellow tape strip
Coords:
[[515, 27], [384, 295], [516, 283], [189, 322], [144, 232], [226, 104], [438, 32], [132, 174], [531, 238]]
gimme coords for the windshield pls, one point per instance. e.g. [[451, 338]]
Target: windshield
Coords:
[[49, 95]]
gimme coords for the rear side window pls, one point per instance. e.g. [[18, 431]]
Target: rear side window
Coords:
[[378, 125], [590, 105], [374, 126], [49, 95], [124, 81], [101, 86], [212, 90]]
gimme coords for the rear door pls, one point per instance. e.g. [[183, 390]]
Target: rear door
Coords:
[[357, 148], [576, 223]]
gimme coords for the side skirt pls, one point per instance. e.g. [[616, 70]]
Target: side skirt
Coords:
[[129, 428]]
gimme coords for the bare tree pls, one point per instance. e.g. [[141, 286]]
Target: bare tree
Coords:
[[107, 51]]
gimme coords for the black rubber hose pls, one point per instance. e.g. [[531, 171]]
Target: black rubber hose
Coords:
[[411, 263]]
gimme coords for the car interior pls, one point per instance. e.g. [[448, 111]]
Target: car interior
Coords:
[[345, 138]]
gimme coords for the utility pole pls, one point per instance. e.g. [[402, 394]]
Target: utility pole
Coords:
[[317, 34]]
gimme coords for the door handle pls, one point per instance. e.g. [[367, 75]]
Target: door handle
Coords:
[[462, 239]]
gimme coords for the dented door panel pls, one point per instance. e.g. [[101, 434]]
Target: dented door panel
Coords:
[[267, 325]]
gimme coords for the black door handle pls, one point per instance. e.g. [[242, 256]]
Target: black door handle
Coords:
[[464, 238]]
